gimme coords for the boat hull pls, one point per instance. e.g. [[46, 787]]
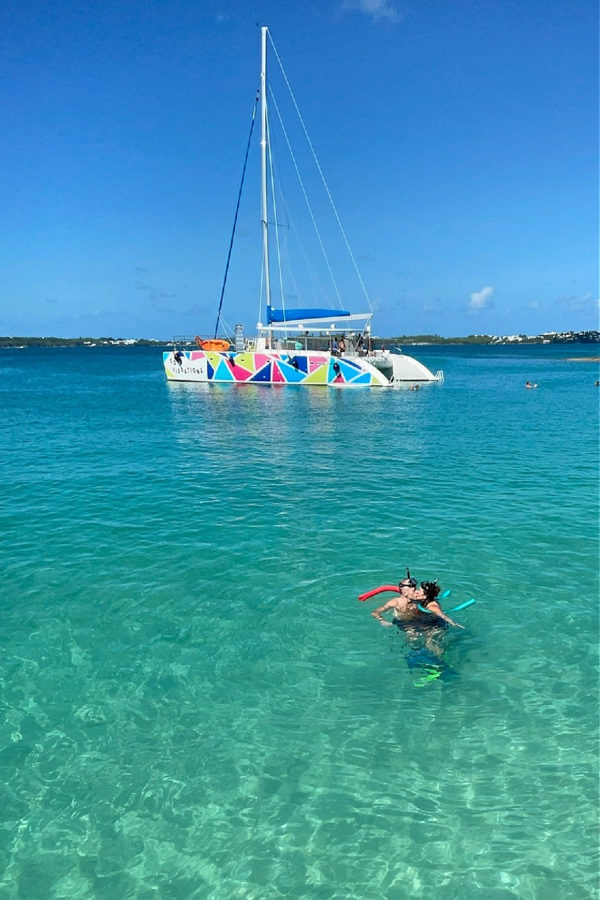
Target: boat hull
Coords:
[[308, 368]]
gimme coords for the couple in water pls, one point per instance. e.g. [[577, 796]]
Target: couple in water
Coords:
[[417, 612], [415, 606]]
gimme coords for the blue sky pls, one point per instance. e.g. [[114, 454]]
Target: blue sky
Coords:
[[459, 139]]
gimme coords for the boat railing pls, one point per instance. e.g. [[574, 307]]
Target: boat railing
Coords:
[[182, 340], [190, 340], [321, 343]]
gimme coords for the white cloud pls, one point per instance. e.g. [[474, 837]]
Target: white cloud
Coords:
[[481, 299], [377, 9]]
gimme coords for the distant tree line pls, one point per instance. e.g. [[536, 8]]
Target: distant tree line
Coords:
[[566, 337], [437, 339], [76, 342], [583, 337]]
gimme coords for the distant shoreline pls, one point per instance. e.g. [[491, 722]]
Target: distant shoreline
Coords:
[[567, 337]]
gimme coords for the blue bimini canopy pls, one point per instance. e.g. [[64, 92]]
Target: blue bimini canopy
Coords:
[[292, 315]]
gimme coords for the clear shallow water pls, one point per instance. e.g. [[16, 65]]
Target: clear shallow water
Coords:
[[195, 705]]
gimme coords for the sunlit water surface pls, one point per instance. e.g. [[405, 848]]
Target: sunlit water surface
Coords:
[[195, 704]]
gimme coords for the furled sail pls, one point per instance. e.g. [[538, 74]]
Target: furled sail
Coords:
[[293, 315]]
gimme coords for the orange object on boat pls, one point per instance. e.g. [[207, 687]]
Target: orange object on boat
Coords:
[[212, 344]]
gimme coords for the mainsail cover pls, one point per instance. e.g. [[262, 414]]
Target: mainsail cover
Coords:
[[294, 315]]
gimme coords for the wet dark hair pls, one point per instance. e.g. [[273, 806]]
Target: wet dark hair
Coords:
[[431, 590]]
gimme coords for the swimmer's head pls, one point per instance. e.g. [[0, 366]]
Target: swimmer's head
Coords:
[[431, 590], [408, 582]]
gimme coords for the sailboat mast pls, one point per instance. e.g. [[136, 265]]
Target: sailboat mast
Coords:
[[263, 153]]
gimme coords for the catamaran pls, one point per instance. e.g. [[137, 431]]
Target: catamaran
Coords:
[[294, 345]]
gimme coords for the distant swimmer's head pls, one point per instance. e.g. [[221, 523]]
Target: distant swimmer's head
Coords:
[[431, 590]]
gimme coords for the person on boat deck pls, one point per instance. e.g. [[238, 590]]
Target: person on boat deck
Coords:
[[334, 347], [342, 346], [405, 606]]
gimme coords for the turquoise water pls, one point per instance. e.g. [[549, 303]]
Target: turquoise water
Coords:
[[195, 705]]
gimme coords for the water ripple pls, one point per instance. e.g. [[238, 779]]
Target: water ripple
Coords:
[[194, 703]]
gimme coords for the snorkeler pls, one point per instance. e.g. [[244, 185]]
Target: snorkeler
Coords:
[[418, 614], [415, 606]]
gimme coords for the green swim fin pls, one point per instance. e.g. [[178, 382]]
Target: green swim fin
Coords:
[[431, 674]]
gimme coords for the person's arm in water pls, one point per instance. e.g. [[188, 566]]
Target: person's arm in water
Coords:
[[437, 610], [391, 604]]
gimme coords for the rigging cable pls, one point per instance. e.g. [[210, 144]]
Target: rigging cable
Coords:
[[274, 202], [318, 165], [307, 201], [237, 209]]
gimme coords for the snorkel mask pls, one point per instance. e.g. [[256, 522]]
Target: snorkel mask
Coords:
[[408, 581]]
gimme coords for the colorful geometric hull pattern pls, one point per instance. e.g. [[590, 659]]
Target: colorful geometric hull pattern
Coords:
[[248, 367]]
